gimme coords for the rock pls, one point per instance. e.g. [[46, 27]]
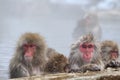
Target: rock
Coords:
[[114, 74]]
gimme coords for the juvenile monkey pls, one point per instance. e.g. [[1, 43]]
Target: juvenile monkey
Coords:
[[110, 53], [85, 55], [57, 63], [29, 58], [51, 52]]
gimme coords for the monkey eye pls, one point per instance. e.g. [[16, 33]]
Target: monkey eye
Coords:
[[84, 46], [114, 51], [28, 45], [31, 45], [90, 46], [25, 45], [87, 46]]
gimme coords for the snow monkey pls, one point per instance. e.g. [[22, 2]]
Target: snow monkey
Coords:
[[85, 55], [110, 53], [57, 63], [29, 57]]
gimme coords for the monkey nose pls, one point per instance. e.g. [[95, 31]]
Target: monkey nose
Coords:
[[87, 49], [29, 54]]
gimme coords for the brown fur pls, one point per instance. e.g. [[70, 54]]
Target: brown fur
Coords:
[[106, 47], [18, 67], [57, 63], [76, 62], [51, 52]]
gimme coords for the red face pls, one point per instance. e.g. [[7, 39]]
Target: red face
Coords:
[[114, 54], [87, 51], [29, 50]]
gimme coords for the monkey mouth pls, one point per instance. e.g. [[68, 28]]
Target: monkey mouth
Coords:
[[28, 59], [87, 59]]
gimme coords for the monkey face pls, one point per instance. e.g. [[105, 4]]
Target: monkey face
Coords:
[[87, 51], [29, 51], [114, 54], [109, 53]]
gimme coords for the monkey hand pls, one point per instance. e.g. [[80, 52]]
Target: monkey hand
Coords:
[[90, 67], [74, 71], [113, 64]]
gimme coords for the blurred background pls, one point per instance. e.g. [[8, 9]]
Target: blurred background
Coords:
[[61, 22]]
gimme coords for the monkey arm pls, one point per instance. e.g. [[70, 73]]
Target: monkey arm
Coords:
[[74, 64], [74, 68], [113, 64], [90, 67], [18, 71]]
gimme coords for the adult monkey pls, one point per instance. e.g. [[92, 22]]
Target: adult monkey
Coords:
[[29, 58], [85, 55], [110, 54]]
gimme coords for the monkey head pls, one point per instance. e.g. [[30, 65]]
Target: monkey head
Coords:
[[57, 63], [31, 46], [109, 50], [85, 47]]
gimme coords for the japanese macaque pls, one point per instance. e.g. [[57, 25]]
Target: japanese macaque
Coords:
[[57, 63], [110, 54], [89, 23], [29, 57], [85, 55], [51, 52]]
